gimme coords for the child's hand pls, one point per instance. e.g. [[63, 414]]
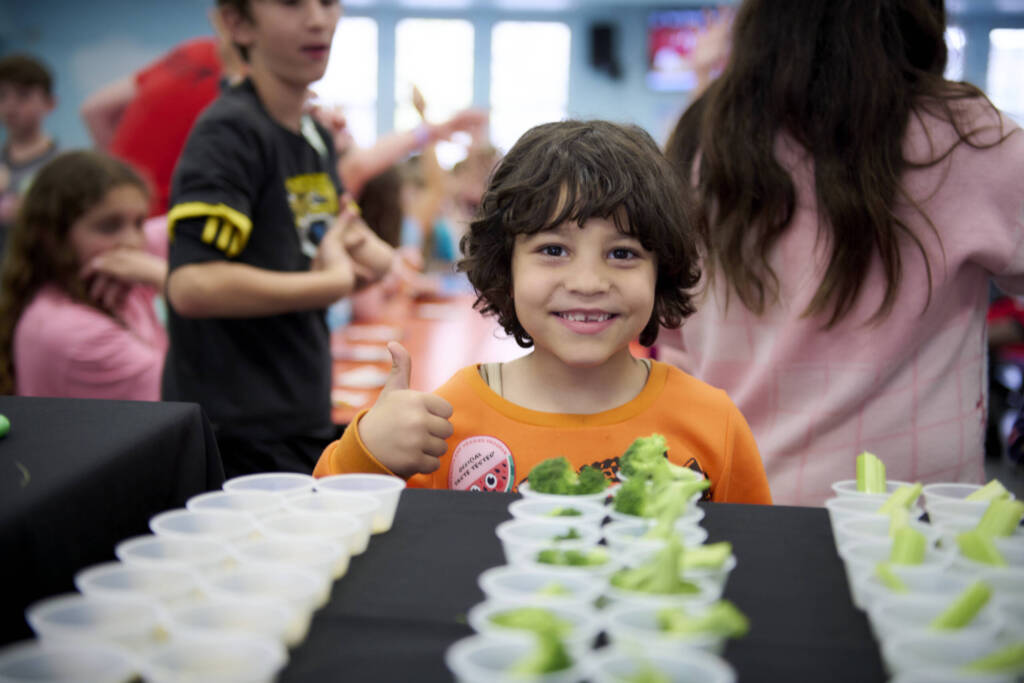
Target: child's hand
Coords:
[[125, 266], [406, 430], [367, 250]]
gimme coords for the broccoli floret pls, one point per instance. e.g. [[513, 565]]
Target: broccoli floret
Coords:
[[572, 558], [661, 575], [569, 535], [631, 497], [565, 512], [721, 619], [641, 455], [645, 674], [555, 475], [548, 656], [667, 503], [533, 619]]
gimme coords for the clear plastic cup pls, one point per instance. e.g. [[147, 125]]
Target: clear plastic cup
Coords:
[[538, 510], [211, 525], [261, 617], [959, 513], [951, 491], [325, 558], [384, 487], [1009, 578], [281, 483], [584, 624], [599, 497], [166, 585], [202, 555], [360, 506], [912, 614], [932, 675], [842, 508], [877, 527], [65, 661], [707, 593], [634, 628], [625, 539], [860, 558], [300, 589], [255, 503], [905, 654], [1011, 610], [612, 665], [334, 527], [848, 487], [134, 624], [868, 590], [692, 517], [520, 537], [224, 658], [951, 526], [518, 584], [492, 659], [596, 572]]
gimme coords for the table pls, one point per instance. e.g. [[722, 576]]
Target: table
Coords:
[[78, 476], [404, 601]]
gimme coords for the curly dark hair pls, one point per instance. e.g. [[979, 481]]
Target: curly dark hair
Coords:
[[575, 171]]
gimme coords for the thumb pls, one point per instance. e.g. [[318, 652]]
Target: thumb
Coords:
[[401, 368]]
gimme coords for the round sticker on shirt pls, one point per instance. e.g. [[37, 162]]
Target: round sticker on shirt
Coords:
[[481, 463]]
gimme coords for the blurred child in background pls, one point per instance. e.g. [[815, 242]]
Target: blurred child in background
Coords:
[[77, 289]]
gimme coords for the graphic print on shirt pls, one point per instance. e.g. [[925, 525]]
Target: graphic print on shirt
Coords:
[[481, 463], [314, 203]]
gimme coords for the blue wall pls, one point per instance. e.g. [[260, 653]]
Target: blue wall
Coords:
[[91, 43]]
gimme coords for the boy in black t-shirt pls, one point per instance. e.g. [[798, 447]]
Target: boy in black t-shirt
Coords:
[[261, 244]]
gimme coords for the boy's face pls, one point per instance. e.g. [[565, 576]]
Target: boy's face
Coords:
[[583, 294], [23, 108], [289, 38]]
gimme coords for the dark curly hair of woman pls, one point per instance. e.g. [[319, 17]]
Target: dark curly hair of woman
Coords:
[[572, 171]]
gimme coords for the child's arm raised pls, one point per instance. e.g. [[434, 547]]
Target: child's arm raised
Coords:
[[405, 430]]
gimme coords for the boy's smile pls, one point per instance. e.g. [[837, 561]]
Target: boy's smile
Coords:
[[582, 294]]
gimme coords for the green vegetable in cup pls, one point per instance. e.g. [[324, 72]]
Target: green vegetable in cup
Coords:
[[966, 606], [994, 490], [885, 574], [564, 512], [720, 619], [5, 426], [870, 473], [573, 558], [1009, 660], [555, 475], [569, 535], [902, 498], [708, 556], [645, 674], [535, 619], [1001, 518], [549, 655], [977, 546], [660, 575], [908, 546]]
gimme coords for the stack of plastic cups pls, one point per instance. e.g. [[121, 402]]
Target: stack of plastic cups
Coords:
[[912, 649], [582, 598], [217, 591]]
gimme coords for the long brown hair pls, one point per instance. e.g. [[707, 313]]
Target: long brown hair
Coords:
[[842, 78], [37, 250]]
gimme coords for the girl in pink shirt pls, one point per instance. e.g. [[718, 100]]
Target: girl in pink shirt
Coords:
[[855, 207], [76, 294]]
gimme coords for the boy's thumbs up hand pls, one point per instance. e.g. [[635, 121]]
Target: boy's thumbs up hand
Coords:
[[405, 430]]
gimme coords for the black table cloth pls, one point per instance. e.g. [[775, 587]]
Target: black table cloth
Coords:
[[78, 476], [404, 601]]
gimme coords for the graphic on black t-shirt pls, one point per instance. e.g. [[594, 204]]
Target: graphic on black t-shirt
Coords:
[[314, 203]]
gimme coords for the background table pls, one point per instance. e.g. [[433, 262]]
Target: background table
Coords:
[[404, 601], [79, 476]]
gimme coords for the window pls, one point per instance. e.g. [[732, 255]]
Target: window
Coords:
[[350, 81], [435, 55], [529, 77], [956, 41], [1005, 64]]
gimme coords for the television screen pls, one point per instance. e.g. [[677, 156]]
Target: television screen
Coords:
[[671, 38]]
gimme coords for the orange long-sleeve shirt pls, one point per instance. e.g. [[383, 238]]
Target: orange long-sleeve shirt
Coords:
[[496, 442]]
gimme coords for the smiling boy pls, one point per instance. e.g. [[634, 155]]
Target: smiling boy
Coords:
[[259, 250], [582, 244]]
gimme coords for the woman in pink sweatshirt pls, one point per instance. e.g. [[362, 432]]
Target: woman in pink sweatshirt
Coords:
[[856, 206], [77, 288]]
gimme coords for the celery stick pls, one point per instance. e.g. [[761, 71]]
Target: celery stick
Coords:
[[887, 577], [711, 556], [898, 518], [904, 497], [870, 473], [908, 546], [994, 490], [980, 548], [1009, 659], [966, 606], [1001, 518]]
